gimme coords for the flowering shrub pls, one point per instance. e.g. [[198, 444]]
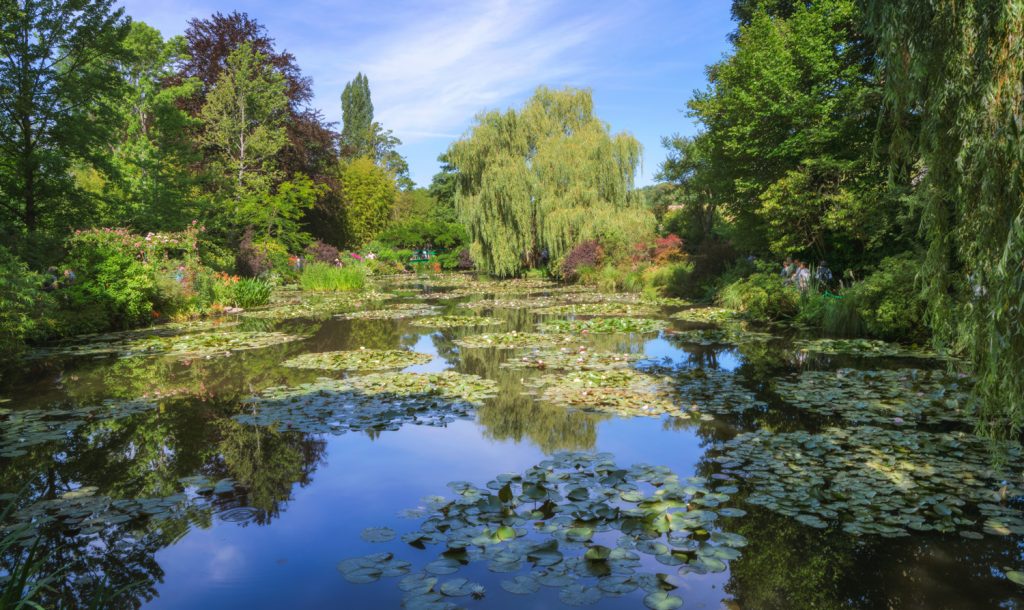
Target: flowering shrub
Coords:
[[585, 254]]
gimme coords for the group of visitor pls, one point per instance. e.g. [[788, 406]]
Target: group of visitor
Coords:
[[796, 273], [55, 279]]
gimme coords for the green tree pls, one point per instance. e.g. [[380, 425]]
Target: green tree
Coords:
[[278, 215], [790, 119], [357, 131], [361, 136], [370, 193], [57, 81], [546, 178], [154, 186], [244, 127], [689, 167], [954, 74]]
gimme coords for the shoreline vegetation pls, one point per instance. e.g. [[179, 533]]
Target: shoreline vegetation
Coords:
[[188, 177]]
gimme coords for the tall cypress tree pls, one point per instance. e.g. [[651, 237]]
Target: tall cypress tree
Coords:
[[357, 132]]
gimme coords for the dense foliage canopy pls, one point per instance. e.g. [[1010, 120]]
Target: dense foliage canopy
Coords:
[[535, 182]]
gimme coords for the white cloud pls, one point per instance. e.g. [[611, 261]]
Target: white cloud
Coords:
[[430, 76]]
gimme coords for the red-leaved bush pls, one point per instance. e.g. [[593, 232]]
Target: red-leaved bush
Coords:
[[668, 249], [321, 252], [250, 259], [585, 254]]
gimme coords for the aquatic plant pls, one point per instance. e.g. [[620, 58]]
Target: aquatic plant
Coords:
[[604, 325], [548, 525], [358, 360]]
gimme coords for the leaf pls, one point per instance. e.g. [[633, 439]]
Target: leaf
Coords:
[[378, 534], [579, 595], [660, 600], [521, 585]]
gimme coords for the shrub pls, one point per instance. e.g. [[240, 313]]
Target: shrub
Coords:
[[112, 279], [761, 296], [668, 249], [711, 260], [251, 261], [585, 254], [888, 300], [22, 303], [465, 262], [835, 314], [667, 280], [321, 252], [321, 277], [249, 293]]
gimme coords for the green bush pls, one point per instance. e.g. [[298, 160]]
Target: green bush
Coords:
[[666, 280], [113, 282], [249, 293], [321, 277], [761, 296], [836, 314], [22, 303], [888, 300]]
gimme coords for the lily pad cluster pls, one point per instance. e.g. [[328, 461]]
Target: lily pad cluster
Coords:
[[379, 403], [455, 321], [507, 303], [705, 314], [171, 342], [358, 360], [85, 512], [730, 335], [604, 325], [517, 340], [878, 481], [446, 384], [598, 309], [714, 391], [316, 306], [576, 522], [23, 428], [861, 348], [392, 312], [572, 359], [894, 396], [625, 392]]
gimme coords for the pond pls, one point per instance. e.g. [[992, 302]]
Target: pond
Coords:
[[446, 442]]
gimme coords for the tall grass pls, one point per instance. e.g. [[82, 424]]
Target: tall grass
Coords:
[[327, 278], [250, 292]]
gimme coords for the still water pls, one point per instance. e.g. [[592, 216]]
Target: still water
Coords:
[[240, 513]]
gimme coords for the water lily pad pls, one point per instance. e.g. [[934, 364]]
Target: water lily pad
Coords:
[[883, 397], [603, 325], [598, 309], [460, 587], [378, 534], [660, 600], [358, 360], [624, 392], [394, 311], [455, 321], [517, 340], [862, 348], [705, 314], [580, 595], [579, 359], [521, 585]]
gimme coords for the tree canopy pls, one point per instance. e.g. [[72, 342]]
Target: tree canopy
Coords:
[[544, 178]]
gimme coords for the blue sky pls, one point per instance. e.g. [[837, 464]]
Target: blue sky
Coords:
[[433, 65]]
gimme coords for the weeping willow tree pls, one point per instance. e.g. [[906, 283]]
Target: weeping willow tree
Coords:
[[954, 72], [545, 178]]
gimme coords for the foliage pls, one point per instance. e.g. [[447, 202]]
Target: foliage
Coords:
[[321, 277], [249, 292], [277, 216], [57, 66], [22, 303], [585, 254], [954, 69], [761, 296], [152, 184], [321, 252], [544, 178], [787, 149], [357, 118], [244, 128], [113, 280], [889, 300], [369, 194]]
